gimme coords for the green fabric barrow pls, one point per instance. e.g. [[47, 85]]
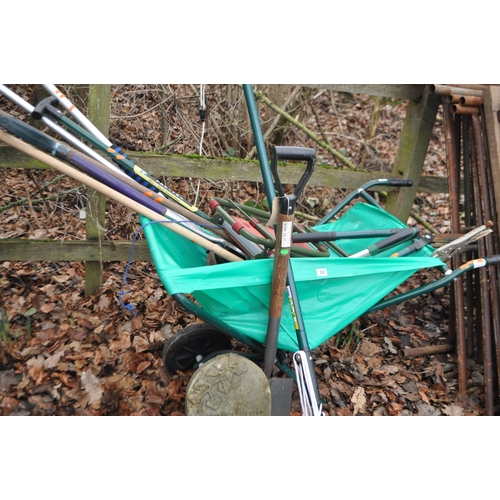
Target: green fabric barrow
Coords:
[[332, 291]]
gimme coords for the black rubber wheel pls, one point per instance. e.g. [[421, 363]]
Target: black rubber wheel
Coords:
[[183, 350]]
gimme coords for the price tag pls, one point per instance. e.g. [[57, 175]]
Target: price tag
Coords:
[[286, 235]]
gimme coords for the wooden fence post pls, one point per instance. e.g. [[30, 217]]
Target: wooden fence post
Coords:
[[99, 112], [413, 146]]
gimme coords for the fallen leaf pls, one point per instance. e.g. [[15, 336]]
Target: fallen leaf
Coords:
[[136, 322], [131, 360], [7, 404], [52, 361], [154, 393], [423, 396], [359, 401], [90, 384], [156, 337], [453, 411], [8, 378], [104, 302], [368, 348], [426, 410], [121, 344], [140, 344], [61, 279], [390, 347], [37, 373], [173, 390], [48, 307], [143, 366], [343, 412]]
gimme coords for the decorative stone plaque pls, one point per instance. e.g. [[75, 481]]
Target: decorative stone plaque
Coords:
[[228, 385]]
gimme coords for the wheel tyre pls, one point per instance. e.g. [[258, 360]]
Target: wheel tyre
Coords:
[[181, 351]]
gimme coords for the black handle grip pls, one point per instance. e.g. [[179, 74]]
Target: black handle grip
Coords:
[[47, 107], [287, 204], [292, 153], [397, 238], [314, 237], [344, 235], [400, 182], [494, 260], [33, 136]]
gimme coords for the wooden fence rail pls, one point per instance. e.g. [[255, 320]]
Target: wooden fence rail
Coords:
[[413, 145]]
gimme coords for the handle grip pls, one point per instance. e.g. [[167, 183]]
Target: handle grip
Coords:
[[47, 107], [343, 235], [291, 153], [395, 238], [420, 243], [400, 182], [33, 136], [494, 260]]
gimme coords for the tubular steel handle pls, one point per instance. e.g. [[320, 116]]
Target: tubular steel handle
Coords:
[[287, 204]]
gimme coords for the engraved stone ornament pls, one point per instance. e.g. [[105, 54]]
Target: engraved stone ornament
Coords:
[[228, 385]]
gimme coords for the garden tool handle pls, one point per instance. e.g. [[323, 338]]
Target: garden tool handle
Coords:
[[33, 136], [400, 182], [493, 260], [420, 243], [278, 287], [316, 237], [287, 204], [47, 107], [283, 245], [393, 240]]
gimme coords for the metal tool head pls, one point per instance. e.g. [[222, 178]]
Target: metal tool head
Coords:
[[446, 252]]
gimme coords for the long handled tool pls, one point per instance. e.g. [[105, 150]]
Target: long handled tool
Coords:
[[117, 196], [291, 286], [71, 139], [46, 108], [108, 165], [256, 238], [133, 170], [77, 114], [283, 244], [123, 184], [302, 359]]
